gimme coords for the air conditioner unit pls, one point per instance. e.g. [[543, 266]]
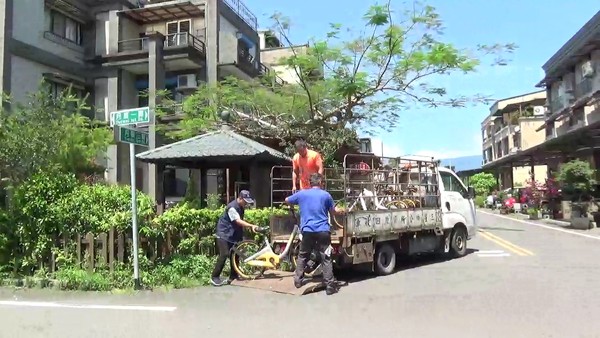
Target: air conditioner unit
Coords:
[[539, 111], [187, 81], [587, 69]]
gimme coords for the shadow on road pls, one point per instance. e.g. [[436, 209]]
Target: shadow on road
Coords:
[[361, 274]]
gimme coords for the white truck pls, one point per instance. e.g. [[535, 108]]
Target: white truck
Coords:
[[407, 206]]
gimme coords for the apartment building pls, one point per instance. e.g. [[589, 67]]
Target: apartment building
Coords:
[[572, 82], [509, 129], [114, 50]]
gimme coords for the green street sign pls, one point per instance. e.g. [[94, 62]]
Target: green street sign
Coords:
[[130, 116], [136, 137]]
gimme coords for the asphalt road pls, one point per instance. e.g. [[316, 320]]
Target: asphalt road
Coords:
[[524, 281]]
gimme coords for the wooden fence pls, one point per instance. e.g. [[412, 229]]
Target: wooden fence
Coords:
[[113, 247]]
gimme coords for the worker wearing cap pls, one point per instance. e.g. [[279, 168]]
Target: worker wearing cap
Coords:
[[229, 232], [305, 163]]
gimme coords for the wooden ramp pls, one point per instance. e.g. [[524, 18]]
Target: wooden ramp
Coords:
[[281, 282]]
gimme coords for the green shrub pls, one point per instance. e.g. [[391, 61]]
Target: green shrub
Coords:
[[99, 207], [480, 201], [34, 214]]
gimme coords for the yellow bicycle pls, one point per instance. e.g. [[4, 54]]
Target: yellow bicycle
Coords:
[[250, 262]]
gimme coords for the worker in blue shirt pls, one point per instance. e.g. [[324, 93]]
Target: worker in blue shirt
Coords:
[[315, 204]]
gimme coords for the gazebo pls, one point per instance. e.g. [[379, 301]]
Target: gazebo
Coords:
[[225, 149]]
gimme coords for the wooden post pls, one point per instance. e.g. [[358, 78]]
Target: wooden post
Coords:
[[78, 243], [90, 251], [120, 247], [111, 249], [104, 252]]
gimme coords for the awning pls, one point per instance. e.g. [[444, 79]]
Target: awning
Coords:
[[165, 11], [78, 13]]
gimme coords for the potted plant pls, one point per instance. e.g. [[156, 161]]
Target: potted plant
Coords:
[[534, 192], [578, 180]]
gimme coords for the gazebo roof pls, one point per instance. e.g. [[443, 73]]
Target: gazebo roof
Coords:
[[223, 145]]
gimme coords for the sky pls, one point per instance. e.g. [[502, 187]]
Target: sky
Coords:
[[538, 27]]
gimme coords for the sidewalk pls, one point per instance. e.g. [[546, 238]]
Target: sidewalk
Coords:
[[551, 222]]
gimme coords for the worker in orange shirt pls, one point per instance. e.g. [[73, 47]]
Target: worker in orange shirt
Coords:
[[305, 163]]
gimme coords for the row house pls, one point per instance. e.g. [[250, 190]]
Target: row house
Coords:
[[572, 83], [509, 129]]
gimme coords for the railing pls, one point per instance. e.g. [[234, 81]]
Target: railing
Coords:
[[243, 12], [583, 87], [246, 61], [133, 45], [183, 39], [272, 75]]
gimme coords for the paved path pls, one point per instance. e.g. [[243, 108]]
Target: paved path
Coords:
[[524, 281]]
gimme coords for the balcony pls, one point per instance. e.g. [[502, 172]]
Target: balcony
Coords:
[[270, 76], [583, 88], [181, 51], [243, 12]]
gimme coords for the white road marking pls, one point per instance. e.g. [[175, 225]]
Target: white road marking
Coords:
[[492, 253], [88, 306], [543, 226], [489, 251], [505, 254]]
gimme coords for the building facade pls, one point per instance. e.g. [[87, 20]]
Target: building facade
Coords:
[[572, 83], [116, 50], [509, 129]]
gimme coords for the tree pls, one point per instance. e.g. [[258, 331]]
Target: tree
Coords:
[[483, 183], [48, 134], [345, 85]]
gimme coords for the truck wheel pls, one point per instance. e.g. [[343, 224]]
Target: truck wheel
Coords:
[[385, 259], [458, 242]]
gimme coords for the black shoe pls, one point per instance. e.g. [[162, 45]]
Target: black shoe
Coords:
[[298, 284], [216, 281], [330, 290]]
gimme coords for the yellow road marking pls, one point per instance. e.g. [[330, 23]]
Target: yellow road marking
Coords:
[[506, 244]]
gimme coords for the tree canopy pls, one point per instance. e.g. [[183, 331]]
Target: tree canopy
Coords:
[[50, 133], [345, 85]]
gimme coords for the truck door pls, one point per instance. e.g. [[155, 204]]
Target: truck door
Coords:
[[455, 198]]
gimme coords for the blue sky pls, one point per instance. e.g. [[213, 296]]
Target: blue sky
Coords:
[[538, 27]]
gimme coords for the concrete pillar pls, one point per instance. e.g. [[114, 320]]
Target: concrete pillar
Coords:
[[212, 40], [113, 32], [112, 104], [156, 82], [532, 168]]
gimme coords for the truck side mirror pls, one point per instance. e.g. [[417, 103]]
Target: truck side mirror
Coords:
[[470, 192]]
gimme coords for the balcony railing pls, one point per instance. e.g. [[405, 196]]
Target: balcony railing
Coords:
[[583, 87], [243, 12], [246, 61], [271, 75], [184, 40], [175, 40]]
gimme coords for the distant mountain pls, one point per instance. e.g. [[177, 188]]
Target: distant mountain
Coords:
[[463, 163]]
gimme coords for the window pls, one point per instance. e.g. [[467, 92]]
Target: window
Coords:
[[451, 183], [65, 27], [57, 88], [177, 32]]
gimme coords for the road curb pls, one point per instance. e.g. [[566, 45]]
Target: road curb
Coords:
[[524, 217]]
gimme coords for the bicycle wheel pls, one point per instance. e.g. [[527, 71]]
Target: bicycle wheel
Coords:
[[241, 251]]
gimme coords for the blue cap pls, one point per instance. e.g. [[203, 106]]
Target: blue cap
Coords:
[[245, 195]]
